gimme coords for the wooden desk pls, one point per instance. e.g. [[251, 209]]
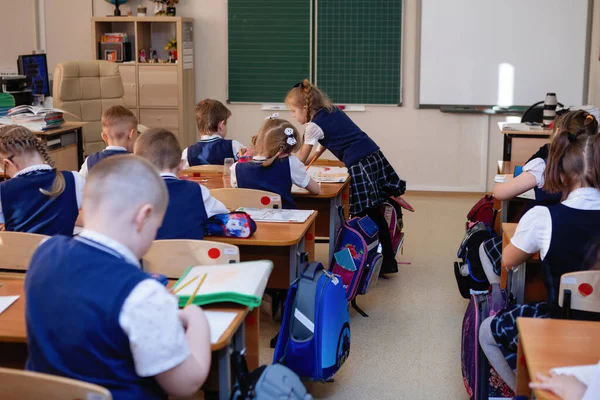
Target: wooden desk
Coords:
[[281, 243], [527, 277], [519, 146], [13, 334], [549, 343]]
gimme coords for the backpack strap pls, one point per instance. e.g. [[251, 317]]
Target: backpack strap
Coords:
[[311, 270]]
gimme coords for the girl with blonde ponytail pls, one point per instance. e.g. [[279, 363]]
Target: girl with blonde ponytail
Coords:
[[273, 168], [38, 198], [373, 179]]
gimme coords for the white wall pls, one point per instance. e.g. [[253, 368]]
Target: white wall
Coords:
[[17, 30], [429, 149]]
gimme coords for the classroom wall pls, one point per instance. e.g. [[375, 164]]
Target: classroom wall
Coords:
[[431, 150], [17, 30]]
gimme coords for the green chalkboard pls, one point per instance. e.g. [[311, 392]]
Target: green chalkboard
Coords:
[[358, 50], [269, 48]]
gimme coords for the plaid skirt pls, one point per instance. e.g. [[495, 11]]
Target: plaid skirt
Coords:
[[493, 249], [373, 180], [504, 327]]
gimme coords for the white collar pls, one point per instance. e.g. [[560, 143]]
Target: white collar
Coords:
[[259, 158], [583, 193], [211, 136], [115, 148], [39, 167], [112, 244], [168, 175]]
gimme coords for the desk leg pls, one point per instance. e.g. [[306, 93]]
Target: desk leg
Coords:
[[523, 378], [252, 338], [80, 146], [225, 372], [334, 222], [295, 251], [504, 211], [506, 154], [519, 280]]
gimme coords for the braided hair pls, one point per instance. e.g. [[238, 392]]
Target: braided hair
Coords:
[[276, 138], [306, 95], [18, 140]]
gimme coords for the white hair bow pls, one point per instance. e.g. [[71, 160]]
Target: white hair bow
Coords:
[[289, 132], [272, 116]]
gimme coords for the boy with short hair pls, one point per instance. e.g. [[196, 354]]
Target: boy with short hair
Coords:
[[186, 214], [119, 131], [92, 314], [213, 148]]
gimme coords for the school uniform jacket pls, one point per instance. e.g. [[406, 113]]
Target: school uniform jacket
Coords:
[[275, 178], [95, 158]]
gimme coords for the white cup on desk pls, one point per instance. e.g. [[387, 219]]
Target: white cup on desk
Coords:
[[227, 164]]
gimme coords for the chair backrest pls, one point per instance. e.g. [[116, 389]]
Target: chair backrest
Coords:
[[234, 198], [18, 384], [585, 290], [172, 257], [216, 169], [86, 89], [17, 248]]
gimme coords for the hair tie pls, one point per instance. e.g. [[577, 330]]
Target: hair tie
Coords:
[[272, 116], [291, 140], [589, 117], [572, 138]]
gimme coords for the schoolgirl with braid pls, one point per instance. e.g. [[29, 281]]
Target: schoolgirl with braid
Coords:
[[37, 198], [273, 168], [373, 179]]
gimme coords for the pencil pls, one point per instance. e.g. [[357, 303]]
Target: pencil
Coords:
[[311, 163], [196, 291], [185, 284]]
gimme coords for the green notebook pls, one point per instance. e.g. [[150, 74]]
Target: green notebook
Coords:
[[241, 283]]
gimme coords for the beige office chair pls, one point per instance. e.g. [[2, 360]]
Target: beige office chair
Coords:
[[86, 89], [579, 291], [172, 257], [18, 384], [17, 248], [234, 198]]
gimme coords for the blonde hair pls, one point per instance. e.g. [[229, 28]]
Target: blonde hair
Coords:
[[160, 147], [272, 141], [119, 121], [124, 181], [17, 140], [209, 113], [306, 95]]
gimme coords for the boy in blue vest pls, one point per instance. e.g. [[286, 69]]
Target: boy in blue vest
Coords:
[[119, 131], [190, 204], [92, 314], [213, 148]]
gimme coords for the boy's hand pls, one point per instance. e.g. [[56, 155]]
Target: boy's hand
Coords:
[[566, 387], [191, 314]]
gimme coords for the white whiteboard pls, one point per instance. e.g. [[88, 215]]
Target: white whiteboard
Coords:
[[502, 52]]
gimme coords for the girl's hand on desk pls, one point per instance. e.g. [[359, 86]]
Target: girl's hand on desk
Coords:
[[566, 387]]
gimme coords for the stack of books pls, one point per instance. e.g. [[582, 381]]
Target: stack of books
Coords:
[[7, 101], [114, 38], [37, 118]]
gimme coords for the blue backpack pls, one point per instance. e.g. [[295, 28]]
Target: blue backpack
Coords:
[[314, 339], [360, 236]]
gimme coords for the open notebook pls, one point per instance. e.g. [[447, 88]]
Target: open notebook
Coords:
[[328, 174], [277, 214], [242, 283]]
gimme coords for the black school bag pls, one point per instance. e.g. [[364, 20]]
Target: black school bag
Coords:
[[468, 271]]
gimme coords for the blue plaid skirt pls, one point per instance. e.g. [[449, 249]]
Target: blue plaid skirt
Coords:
[[373, 180], [504, 327], [493, 249]]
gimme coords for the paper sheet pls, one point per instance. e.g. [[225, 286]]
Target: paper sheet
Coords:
[[277, 215], [218, 321], [530, 195], [6, 301], [584, 373], [298, 189]]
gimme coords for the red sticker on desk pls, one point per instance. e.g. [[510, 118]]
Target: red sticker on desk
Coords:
[[345, 196], [585, 289], [214, 253], [265, 200], [310, 236], [197, 174]]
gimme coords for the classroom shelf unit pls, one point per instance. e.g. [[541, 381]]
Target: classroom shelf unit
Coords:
[[160, 95]]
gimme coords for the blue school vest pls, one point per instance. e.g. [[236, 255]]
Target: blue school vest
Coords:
[[275, 178], [75, 291], [26, 209], [212, 151], [572, 230], [186, 215], [342, 137], [101, 155]]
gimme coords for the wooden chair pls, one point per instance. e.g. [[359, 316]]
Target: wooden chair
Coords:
[[234, 198], [579, 291], [17, 248], [210, 169], [17, 384], [172, 257]]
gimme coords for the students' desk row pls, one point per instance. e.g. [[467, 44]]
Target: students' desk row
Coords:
[[65, 145], [519, 145], [549, 343], [527, 281], [242, 332], [325, 203]]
